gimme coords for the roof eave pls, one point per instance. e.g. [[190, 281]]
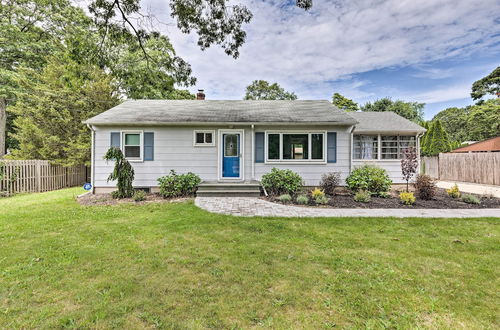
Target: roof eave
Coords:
[[205, 123], [406, 131]]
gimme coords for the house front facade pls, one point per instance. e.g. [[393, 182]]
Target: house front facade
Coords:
[[239, 141]]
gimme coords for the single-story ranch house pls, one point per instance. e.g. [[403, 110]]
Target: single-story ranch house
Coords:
[[238, 141]]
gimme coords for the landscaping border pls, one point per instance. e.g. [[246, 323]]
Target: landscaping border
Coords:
[[249, 207]]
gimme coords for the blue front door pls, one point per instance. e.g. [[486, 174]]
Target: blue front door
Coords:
[[231, 155]]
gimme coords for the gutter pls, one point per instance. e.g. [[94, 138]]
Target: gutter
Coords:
[[92, 157], [205, 123]]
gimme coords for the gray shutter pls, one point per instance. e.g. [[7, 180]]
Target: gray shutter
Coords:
[[259, 147], [115, 140], [149, 146], [332, 147]]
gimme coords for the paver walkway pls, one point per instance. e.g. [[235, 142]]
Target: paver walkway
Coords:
[[473, 188], [247, 206]]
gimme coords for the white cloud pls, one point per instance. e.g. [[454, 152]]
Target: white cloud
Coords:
[[306, 51], [442, 94]]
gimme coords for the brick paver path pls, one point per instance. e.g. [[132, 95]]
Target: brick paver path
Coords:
[[247, 206]]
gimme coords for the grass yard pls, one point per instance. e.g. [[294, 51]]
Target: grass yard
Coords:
[[175, 266]]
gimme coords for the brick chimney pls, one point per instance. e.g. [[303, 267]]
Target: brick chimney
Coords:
[[200, 95]]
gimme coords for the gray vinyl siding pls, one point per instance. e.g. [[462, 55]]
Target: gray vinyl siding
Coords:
[[173, 149], [311, 173], [393, 168]]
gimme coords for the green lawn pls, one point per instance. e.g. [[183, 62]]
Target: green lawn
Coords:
[[175, 266]]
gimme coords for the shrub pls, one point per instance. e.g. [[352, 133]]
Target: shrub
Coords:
[[453, 192], [175, 185], [321, 199], [362, 196], [425, 187], [139, 195], [116, 194], [317, 193], [330, 181], [384, 194], [123, 173], [302, 199], [470, 199], [370, 178], [409, 165], [407, 198], [278, 182], [285, 198]]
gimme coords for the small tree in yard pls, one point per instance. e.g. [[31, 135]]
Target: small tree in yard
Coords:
[[123, 173], [409, 165]]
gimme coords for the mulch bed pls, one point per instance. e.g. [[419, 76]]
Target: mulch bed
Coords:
[[106, 199], [440, 201]]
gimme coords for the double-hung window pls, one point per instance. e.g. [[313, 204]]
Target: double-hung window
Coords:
[[393, 146], [204, 138], [132, 145], [365, 147], [295, 146]]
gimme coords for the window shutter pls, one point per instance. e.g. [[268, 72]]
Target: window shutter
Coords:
[[115, 139], [149, 145], [259, 147], [332, 147]]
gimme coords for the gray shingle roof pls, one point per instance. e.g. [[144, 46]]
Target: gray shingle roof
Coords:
[[157, 112], [384, 122]]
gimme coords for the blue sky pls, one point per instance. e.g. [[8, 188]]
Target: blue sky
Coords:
[[425, 51]]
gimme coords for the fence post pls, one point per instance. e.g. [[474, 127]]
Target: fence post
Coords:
[[38, 176]]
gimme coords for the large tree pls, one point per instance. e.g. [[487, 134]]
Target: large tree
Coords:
[[413, 111], [29, 31], [489, 85], [344, 103], [484, 120], [454, 122], [49, 116], [263, 90], [34, 30]]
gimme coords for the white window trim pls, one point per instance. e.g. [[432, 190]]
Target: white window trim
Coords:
[[203, 144], [141, 145], [295, 161], [379, 147]]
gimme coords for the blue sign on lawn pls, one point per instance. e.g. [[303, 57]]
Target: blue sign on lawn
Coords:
[[87, 186]]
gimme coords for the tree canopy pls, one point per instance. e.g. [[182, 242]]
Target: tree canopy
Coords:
[[454, 122], [49, 116], [37, 31], [344, 103], [263, 90], [487, 85], [413, 111], [215, 22], [484, 120]]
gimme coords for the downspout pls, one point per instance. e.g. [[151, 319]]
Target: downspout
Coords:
[[92, 157], [350, 147], [253, 152]]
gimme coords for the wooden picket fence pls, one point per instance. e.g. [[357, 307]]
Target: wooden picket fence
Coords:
[[38, 175], [475, 167]]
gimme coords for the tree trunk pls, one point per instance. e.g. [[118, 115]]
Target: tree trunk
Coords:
[[3, 126]]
